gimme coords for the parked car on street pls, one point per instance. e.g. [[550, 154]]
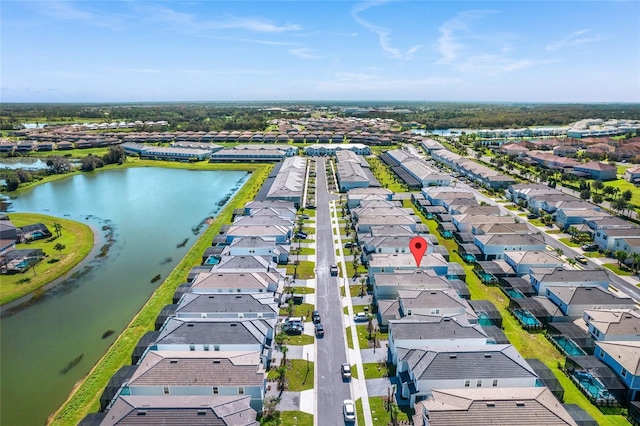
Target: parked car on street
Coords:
[[345, 370], [349, 411], [589, 247], [316, 317], [580, 258], [319, 330], [334, 270]]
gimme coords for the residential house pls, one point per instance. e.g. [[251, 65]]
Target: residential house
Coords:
[[436, 332], [390, 262], [465, 222], [541, 278], [534, 406], [632, 174], [177, 410], [500, 228], [289, 182], [281, 234], [523, 261], [608, 238], [623, 357], [573, 301], [464, 367], [226, 305], [613, 324], [388, 286], [596, 170], [444, 302], [356, 195], [258, 246], [245, 335], [238, 281], [494, 246], [569, 216], [199, 374], [513, 149]]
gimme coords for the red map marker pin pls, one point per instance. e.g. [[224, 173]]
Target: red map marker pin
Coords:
[[418, 247]]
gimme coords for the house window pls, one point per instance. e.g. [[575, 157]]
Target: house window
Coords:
[[467, 383], [495, 383], [165, 390], [601, 353], [216, 347], [216, 391], [623, 373], [479, 383], [240, 390], [205, 347], [435, 311], [192, 347]]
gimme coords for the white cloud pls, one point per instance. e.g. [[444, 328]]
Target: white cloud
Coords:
[[384, 34], [574, 39], [449, 44], [304, 53], [67, 11]]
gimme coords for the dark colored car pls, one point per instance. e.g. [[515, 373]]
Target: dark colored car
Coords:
[[316, 317], [334, 270], [293, 330], [319, 330]]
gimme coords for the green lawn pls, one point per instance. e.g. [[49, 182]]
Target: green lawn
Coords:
[[568, 242], [296, 418], [305, 270], [385, 176], [303, 251], [302, 290], [381, 417], [299, 375], [302, 310], [77, 239], [616, 269], [349, 339], [303, 339], [623, 185], [374, 370]]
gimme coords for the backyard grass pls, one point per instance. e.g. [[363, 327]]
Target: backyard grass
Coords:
[[299, 375], [85, 397], [78, 240], [385, 176], [623, 185]]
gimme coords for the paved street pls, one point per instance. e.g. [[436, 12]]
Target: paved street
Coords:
[[331, 350]]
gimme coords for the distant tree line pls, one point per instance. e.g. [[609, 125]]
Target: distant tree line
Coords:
[[255, 117], [59, 164]]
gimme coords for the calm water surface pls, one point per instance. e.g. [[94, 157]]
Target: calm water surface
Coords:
[[149, 211]]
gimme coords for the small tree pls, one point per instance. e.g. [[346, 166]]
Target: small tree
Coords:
[[620, 256], [58, 229], [59, 247]]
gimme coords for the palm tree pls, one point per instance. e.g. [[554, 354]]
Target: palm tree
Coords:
[[58, 229], [573, 231], [59, 247], [620, 256], [635, 262]]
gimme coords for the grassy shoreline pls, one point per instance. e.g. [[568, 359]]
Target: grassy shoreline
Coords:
[[78, 239], [84, 398]]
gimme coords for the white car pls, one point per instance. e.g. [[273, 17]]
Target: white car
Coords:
[[345, 369], [361, 317], [349, 410]]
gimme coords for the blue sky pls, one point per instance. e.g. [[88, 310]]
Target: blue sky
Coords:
[[128, 51]]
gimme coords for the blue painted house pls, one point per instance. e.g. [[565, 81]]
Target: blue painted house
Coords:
[[623, 357]]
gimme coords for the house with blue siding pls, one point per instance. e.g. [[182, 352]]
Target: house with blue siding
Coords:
[[623, 357]]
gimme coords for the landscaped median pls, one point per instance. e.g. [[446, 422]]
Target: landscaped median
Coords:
[[85, 397], [77, 239]]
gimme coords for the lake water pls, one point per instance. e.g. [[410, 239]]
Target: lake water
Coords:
[[149, 211]]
